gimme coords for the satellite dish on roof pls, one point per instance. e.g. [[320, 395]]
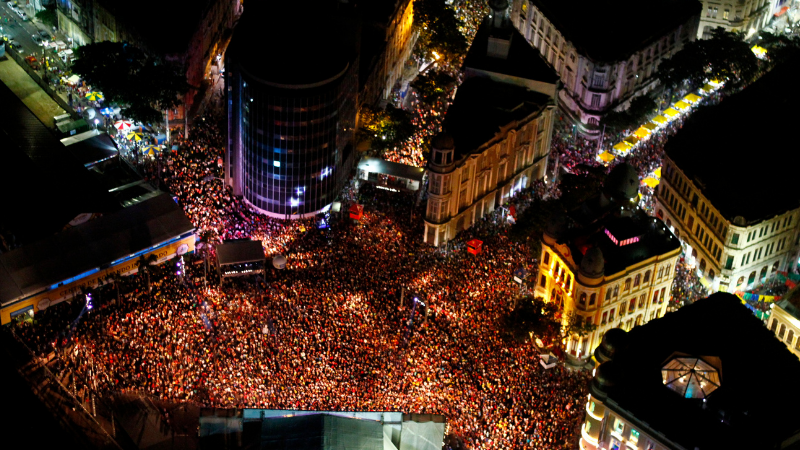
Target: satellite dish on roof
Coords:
[[279, 262]]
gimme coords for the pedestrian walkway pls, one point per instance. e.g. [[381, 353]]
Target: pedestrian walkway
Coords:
[[33, 96]]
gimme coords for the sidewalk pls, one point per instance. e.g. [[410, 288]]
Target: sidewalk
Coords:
[[33, 96]]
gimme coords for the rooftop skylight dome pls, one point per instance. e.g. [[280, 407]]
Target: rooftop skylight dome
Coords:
[[691, 376]]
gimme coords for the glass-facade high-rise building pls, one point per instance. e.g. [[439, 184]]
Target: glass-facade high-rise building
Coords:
[[291, 114]]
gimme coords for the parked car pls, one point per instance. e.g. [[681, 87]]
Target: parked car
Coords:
[[12, 5], [15, 45], [33, 62], [37, 39], [45, 35], [22, 14]]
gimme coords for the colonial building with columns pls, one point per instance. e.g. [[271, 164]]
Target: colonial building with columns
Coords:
[[737, 213], [746, 16], [498, 130], [605, 53], [607, 263]]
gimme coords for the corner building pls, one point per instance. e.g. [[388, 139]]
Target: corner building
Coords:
[[498, 130], [685, 382], [738, 234], [608, 263], [291, 116]]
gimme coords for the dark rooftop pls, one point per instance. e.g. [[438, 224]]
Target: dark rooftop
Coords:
[[483, 106], [50, 186], [523, 61], [722, 155], [91, 149], [612, 30], [295, 43], [649, 237], [743, 412], [76, 250], [321, 432], [383, 166], [240, 251]]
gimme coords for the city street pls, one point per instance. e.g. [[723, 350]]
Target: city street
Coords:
[[22, 32]]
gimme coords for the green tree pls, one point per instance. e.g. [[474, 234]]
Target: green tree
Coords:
[[142, 85], [385, 128], [48, 16], [531, 315], [725, 56], [780, 47], [432, 86], [439, 29], [639, 110], [577, 326]]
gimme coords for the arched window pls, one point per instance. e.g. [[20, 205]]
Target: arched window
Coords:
[[546, 257], [741, 280], [666, 270], [628, 284], [582, 300], [790, 337], [677, 233], [553, 295], [608, 293], [669, 222], [775, 267], [660, 214], [616, 291], [637, 280], [782, 331], [763, 273], [647, 277], [660, 272], [592, 299], [567, 282], [632, 305], [752, 277], [711, 274], [703, 265], [774, 325], [642, 299], [694, 253]]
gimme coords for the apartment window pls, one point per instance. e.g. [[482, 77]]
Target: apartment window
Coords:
[[583, 299], [634, 437], [729, 263], [546, 257], [632, 305], [605, 318], [735, 239], [726, 14], [543, 281], [636, 280], [642, 299], [598, 81], [619, 426], [608, 294], [596, 100], [666, 270], [647, 276], [592, 299], [714, 13], [627, 284]]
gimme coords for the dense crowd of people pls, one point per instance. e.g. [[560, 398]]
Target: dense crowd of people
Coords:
[[336, 330]]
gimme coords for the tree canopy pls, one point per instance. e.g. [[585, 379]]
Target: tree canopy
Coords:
[[638, 111], [725, 56], [432, 86], [532, 315], [438, 29], [142, 85], [385, 128]]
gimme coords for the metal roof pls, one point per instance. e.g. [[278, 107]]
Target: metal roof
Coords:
[[394, 169], [237, 252], [76, 250]]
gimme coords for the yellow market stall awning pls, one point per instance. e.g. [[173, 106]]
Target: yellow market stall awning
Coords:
[[651, 182], [715, 83], [661, 120], [606, 156], [759, 51], [657, 172], [670, 112], [622, 147], [642, 132], [707, 88], [681, 105], [692, 98], [650, 126], [633, 140]]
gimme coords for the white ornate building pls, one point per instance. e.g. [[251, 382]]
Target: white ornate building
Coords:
[[747, 16], [605, 53]]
